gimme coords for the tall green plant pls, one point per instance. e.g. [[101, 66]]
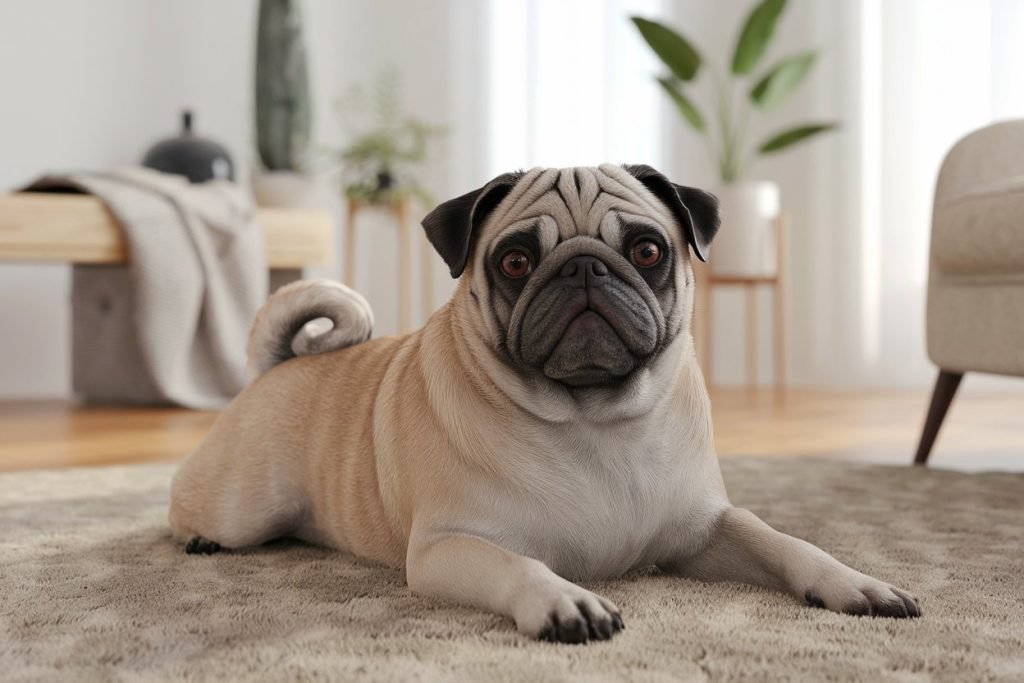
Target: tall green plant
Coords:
[[283, 116], [726, 138]]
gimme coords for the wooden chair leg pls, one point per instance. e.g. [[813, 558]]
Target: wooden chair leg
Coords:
[[945, 389]]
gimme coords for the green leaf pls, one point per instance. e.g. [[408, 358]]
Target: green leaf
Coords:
[[781, 80], [756, 35], [684, 105], [674, 50], [793, 136]]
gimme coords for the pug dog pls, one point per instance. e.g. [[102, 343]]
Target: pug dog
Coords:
[[548, 426]]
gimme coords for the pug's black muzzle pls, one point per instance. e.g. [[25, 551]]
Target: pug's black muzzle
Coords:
[[590, 321]]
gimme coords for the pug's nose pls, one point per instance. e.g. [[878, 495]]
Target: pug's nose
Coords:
[[584, 270]]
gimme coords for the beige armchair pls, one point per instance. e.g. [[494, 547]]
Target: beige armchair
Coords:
[[976, 280]]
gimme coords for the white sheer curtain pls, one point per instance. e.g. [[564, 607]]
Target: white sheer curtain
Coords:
[[570, 84]]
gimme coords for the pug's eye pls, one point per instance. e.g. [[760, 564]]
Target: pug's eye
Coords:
[[646, 253], [516, 264]]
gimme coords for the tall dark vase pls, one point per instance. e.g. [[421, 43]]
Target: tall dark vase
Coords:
[[198, 159]]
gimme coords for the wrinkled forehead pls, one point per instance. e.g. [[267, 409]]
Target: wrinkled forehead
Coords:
[[589, 201]]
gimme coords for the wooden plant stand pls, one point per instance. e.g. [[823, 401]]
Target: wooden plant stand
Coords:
[[401, 209], [751, 284]]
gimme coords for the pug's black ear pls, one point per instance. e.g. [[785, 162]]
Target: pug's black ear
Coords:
[[696, 210], [452, 227]]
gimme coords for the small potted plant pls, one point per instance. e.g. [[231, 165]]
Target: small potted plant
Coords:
[[747, 244], [386, 147], [283, 111]]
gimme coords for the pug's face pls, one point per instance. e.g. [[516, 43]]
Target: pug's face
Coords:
[[589, 304], [580, 274]]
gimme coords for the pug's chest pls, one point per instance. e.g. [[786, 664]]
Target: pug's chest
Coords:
[[601, 520]]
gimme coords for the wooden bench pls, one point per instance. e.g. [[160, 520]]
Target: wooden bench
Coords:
[[72, 228], [80, 231]]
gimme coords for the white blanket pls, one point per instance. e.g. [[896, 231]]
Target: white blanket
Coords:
[[199, 271]]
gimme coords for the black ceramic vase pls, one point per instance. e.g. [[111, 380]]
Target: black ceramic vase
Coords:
[[194, 157]]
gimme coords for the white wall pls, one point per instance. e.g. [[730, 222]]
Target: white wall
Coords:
[[92, 84]]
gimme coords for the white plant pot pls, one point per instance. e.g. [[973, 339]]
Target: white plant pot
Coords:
[[747, 243], [286, 190]]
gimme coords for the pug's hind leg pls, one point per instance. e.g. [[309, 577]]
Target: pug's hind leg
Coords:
[[197, 545], [473, 571], [215, 506], [746, 550]]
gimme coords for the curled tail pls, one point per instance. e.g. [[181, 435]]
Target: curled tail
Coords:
[[306, 317]]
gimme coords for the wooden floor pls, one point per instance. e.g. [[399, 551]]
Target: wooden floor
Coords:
[[981, 431]]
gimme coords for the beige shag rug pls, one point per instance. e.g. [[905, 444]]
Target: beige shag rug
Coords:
[[92, 588]]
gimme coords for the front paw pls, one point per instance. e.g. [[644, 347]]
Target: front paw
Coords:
[[862, 596], [567, 614]]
